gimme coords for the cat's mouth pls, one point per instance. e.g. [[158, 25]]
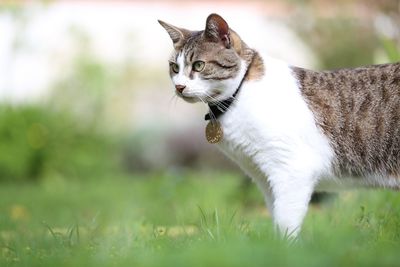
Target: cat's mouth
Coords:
[[207, 98], [189, 99]]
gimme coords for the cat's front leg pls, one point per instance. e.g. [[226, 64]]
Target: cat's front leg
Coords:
[[289, 197]]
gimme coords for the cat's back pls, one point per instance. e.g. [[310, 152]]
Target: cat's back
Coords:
[[359, 111], [380, 80]]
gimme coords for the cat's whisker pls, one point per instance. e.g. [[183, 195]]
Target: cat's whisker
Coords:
[[206, 98], [213, 118], [172, 101], [210, 112], [212, 115], [219, 104], [176, 99]]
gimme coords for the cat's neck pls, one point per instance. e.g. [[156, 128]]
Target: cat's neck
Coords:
[[254, 71], [256, 68], [251, 57]]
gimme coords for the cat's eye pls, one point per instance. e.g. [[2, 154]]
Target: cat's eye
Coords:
[[198, 65], [174, 67]]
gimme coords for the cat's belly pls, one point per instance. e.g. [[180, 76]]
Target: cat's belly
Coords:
[[325, 183], [334, 184]]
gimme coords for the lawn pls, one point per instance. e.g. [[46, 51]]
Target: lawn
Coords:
[[186, 219]]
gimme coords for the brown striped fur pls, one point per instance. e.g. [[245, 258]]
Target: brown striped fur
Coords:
[[359, 110]]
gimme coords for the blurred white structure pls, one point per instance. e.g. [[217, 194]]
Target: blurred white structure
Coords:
[[37, 45]]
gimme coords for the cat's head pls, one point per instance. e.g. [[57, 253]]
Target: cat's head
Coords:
[[206, 65]]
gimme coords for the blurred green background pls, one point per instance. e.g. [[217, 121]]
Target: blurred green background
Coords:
[[101, 166]]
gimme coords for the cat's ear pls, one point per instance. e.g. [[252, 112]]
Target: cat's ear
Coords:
[[178, 35], [217, 30]]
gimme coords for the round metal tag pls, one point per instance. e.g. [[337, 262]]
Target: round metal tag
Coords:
[[214, 132]]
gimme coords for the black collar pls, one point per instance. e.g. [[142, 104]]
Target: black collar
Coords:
[[219, 108]]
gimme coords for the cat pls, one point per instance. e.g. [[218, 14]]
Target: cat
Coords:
[[293, 131]]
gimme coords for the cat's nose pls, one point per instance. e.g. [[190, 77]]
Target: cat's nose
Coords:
[[180, 88]]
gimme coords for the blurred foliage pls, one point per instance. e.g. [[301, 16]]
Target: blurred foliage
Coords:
[[83, 91], [85, 84], [10, 6], [349, 33], [340, 42], [74, 134], [343, 42], [391, 49], [36, 142], [95, 91]]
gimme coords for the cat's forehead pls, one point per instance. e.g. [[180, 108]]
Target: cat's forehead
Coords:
[[198, 48]]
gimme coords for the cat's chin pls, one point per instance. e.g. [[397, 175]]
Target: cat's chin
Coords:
[[214, 98], [190, 99]]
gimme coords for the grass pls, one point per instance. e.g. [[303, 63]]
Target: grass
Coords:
[[186, 219]]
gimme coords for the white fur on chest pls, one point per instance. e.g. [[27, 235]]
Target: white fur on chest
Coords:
[[270, 129]]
